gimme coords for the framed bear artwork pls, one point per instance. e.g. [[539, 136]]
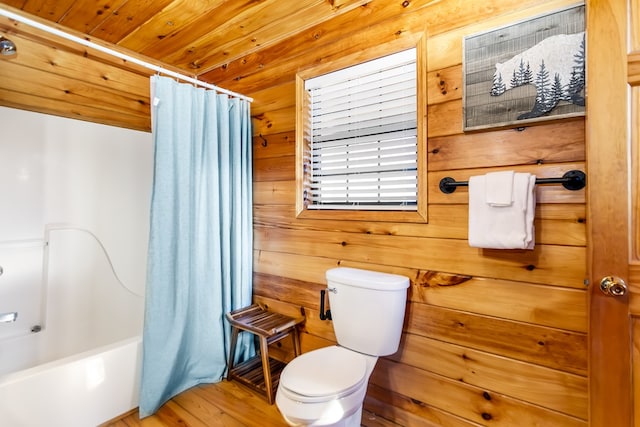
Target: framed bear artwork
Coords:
[[525, 72]]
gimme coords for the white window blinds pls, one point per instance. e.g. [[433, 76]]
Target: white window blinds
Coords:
[[363, 136]]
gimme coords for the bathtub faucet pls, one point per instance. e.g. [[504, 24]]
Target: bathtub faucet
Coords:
[[8, 317]]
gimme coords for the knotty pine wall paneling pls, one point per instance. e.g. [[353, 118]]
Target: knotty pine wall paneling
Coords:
[[491, 337], [55, 76]]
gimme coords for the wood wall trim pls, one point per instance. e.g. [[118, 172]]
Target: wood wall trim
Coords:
[[633, 68], [607, 145]]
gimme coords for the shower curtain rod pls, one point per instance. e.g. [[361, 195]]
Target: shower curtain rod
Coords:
[[117, 54]]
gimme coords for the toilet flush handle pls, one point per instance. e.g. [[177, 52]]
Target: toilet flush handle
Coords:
[[325, 315]]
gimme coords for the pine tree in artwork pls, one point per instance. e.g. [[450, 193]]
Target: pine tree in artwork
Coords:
[[557, 92], [577, 80], [515, 79], [498, 87], [545, 99], [580, 59], [574, 82], [521, 75], [543, 85], [527, 75]]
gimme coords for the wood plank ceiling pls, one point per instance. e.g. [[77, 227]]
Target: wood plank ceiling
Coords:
[[190, 36]]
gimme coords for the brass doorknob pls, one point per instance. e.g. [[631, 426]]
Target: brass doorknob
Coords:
[[614, 286]]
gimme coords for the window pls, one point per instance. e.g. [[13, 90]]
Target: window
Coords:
[[358, 138]]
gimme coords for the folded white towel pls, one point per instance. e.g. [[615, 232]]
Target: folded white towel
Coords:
[[498, 188], [502, 227]]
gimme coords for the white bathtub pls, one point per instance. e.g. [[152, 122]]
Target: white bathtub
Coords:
[[83, 367], [86, 389]]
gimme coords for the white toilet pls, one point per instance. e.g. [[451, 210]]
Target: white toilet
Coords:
[[326, 387]]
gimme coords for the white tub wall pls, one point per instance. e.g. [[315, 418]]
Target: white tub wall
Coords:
[[55, 170], [58, 170], [99, 177], [22, 148]]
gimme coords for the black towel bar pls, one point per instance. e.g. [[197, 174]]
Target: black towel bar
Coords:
[[572, 180]]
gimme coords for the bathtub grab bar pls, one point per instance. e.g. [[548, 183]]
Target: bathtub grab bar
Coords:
[[8, 317]]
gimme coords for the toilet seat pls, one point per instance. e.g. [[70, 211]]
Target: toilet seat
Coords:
[[324, 374]]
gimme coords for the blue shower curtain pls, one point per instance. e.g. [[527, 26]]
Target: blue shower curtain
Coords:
[[200, 243]]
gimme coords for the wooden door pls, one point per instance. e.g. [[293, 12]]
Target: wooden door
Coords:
[[613, 162]]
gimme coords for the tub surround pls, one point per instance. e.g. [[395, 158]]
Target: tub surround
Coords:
[[74, 349]]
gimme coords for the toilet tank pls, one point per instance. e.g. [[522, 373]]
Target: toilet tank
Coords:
[[367, 309]]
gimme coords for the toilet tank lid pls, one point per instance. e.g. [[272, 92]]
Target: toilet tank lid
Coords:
[[367, 279]]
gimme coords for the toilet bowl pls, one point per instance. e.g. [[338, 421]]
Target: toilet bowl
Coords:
[[325, 387]]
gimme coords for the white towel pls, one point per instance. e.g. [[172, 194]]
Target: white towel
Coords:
[[498, 188], [504, 226]]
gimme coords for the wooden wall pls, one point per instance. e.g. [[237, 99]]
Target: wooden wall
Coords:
[[491, 337], [55, 76]]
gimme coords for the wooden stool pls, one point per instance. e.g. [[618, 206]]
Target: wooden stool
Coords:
[[261, 372]]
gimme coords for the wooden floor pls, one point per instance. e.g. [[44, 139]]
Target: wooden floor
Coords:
[[226, 403]]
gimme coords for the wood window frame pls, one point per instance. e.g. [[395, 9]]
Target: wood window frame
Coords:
[[302, 143]]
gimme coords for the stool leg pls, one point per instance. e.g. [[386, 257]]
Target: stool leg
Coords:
[[296, 341], [232, 350], [266, 368]]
